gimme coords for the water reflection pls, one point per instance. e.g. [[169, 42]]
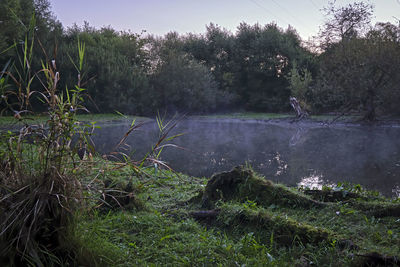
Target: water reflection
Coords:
[[396, 191], [277, 163], [314, 181], [299, 136], [284, 153]]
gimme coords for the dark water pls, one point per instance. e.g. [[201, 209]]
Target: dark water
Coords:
[[292, 154]]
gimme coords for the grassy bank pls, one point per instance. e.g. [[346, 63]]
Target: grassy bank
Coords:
[[108, 117], [103, 118], [236, 218]]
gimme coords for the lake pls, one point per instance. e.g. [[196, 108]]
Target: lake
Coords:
[[295, 154]]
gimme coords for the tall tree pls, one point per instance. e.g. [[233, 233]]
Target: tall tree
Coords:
[[11, 28], [263, 57], [115, 67], [358, 67], [345, 22], [179, 82]]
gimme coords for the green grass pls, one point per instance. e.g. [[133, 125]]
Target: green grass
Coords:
[[347, 118], [162, 233], [165, 235], [107, 117]]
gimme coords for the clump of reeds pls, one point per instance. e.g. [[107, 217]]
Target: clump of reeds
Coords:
[[39, 188], [41, 164]]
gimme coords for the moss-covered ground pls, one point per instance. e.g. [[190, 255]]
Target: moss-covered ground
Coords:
[[233, 219]]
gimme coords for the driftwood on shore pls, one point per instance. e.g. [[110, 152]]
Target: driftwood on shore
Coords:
[[296, 106]]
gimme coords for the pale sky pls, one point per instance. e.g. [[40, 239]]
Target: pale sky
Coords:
[[161, 16]]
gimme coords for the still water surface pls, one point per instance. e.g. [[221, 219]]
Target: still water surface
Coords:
[[293, 154]]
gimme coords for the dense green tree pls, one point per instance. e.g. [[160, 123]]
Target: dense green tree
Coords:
[[11, 28], [215, 49], [300, 80], [256, 68], [178, 81], [249, 66], [358, 71], [27, 24], [263, 57], [15, 18], [115, 67], [384, 57]]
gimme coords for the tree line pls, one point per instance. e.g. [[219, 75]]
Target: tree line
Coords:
[[351, 67]]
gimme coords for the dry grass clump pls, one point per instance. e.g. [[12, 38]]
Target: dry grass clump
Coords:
[[35, 214]]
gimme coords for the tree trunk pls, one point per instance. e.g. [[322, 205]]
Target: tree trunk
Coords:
[[370, 114]]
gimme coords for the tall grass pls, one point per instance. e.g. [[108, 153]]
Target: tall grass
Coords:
[[39, 185], [41, 164]]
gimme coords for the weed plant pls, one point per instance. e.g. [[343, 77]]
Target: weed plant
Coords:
[[44, 163], [39, 164]]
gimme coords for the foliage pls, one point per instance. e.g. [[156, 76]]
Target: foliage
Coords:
[[113, 64], [216, 50], [250, 65], [358, 71], [300, 83], [179, 83], [346, 22]]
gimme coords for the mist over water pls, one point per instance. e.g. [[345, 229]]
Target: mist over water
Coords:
[[293, 154]]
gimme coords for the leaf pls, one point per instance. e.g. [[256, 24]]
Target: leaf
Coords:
[[5, 67], [173, 137], [72, 61], [120, 114], [166, 237]]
